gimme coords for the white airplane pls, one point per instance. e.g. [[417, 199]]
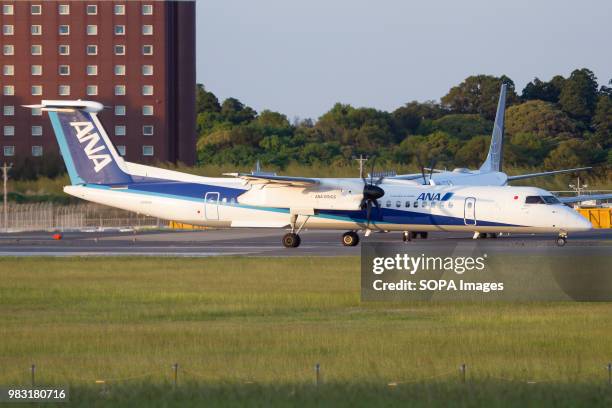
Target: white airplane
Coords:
[[99, 174], [490, 172]]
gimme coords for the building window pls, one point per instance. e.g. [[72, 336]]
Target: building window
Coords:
[[147, 29], [147, 90], [64, 50], [36, 70], [8, 49], [8, 70], [9, 150], [92, 50], [36, 111], [9, 29], [36, 130], [119, 90], [64, 69], [64, 29], [92, 70], [120, 130], [8, 9], [9, 110], [147, 50], [119, 30], [147, 110], [147, 150], [147, 130], [147, 9], [9, 130], [92, 29], [121, 150], [37, 90], [64, 9], [37, 151], [119, 49], [64, 90], [119, 110], [36, 29], [119, 69], [147, 70], [92, 9], [36, 9], [92, 90], [36, 50], [119, 9], [8, 90]]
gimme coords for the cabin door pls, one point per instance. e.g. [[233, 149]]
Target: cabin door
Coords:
[[469, 211], [211, 206]]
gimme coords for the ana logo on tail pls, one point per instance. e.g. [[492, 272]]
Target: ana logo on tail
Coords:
[[92, 147]]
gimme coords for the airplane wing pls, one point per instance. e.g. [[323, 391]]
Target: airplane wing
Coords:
[[284, 180], [546, 173], [586, 197]]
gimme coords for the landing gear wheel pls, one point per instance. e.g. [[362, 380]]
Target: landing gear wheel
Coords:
[[561, 241], [350, 238], [482, 235], [423, 235], [291, 240]]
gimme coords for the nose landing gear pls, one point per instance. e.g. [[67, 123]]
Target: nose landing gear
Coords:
[[561, 240], [350, 238], [291, 240]]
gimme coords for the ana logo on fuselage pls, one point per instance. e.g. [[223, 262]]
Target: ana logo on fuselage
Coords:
[[434, 196], [92, 148]]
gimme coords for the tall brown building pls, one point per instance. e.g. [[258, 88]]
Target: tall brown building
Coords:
[[136, 57]]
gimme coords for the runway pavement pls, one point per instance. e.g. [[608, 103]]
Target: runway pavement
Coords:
[[249, 242]]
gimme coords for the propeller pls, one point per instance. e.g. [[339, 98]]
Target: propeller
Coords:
[[371, 193]]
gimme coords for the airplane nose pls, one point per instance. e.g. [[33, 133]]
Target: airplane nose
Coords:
[[579, 223]]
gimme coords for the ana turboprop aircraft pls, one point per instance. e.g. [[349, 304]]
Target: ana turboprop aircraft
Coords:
[[98, 174], [490, 172]]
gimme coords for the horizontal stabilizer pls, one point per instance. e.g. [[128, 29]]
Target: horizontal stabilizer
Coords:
[[547, 173], [286, 180]]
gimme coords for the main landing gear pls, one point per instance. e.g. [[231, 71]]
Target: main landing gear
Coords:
[[562, 239], [350, 238]]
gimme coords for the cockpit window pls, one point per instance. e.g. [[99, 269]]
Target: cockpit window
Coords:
[[551, 200], [534, 200]]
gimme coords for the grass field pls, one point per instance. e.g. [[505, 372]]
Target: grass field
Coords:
[[249, 331]]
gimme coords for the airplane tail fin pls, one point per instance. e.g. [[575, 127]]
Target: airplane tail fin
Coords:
[[89, 154], [493, 161]]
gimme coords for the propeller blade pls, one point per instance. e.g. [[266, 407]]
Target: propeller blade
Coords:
[[368, 212]]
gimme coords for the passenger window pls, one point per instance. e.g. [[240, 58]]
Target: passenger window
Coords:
[[407, 204], [450, 204], [398, 204], [534, 200], [416, 204], [389, 203]]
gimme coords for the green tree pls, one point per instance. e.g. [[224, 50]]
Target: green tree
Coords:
[[544, 91], [463, 126], [579, 95], [473, 152], [478, 94], [541, 119], [573, 153], [236, 112], [602, 121], [206, 101], [408, 118]]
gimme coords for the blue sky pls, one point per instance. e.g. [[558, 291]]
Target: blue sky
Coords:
[[301, 57]]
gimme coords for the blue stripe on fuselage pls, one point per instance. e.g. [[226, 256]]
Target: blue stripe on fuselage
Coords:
[[196, 192]]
